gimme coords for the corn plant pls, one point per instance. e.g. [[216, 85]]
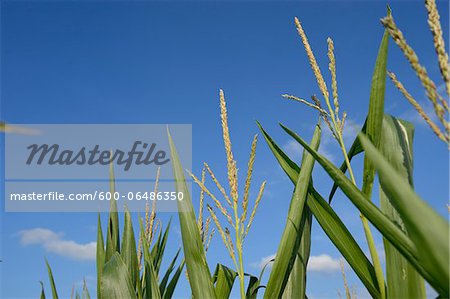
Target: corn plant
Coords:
[[126, 269], [219, 285], [237, 221], [415, 236], [440, 103]]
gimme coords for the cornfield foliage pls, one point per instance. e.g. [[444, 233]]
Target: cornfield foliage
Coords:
[[415, 237]]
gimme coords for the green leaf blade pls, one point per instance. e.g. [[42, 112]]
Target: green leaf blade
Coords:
[[100, 256], [296, 284], [116, 282], [112, 237], [165, 279], [290, 240], [52, 280], [403, 281], [128, 250], [197, 267], [330, 223], [224, 278], [168, 293], [428, 230], [151, 290]]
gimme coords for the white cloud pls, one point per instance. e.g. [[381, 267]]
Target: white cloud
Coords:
[[54, 243], [322, 263], [264, 261]]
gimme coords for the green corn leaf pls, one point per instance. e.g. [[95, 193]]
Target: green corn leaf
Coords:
[[393, 257], [428, 230], [155, 248], [100, 256], [168, 293], [197, 268], [396, 145], [264, 268], [373, 123], [77, 295], [373, 131], [254, 282], [296, 285], [165, 279], [375, 115], [128, 250], [42, 290], [341, 237], [160, 247], [289, 167], [355, 149], [151, 282], [151, 290], [52, 280], [252, 287], [387, 228], [290, 240], [224, 278], [112, 237], [330, 223], [86, 294], [116, 282]]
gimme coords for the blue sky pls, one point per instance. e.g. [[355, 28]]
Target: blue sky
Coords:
[[164, 62]]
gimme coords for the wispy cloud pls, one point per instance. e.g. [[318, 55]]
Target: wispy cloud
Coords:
[[321, 263], [55, 243], [264, 261]]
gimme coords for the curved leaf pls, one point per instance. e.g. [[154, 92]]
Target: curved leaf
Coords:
[[197, 268], [173, 282], [151, 290], [165, 279], [116, 282], [224, 278], [296, 284], [159, 247], [396, 145], [389, 229], [428, 230], [330, 223], [112, 235], [290, 240], [355, 150], [100, 259], [42, 290], [52, 280], [128, 250]]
